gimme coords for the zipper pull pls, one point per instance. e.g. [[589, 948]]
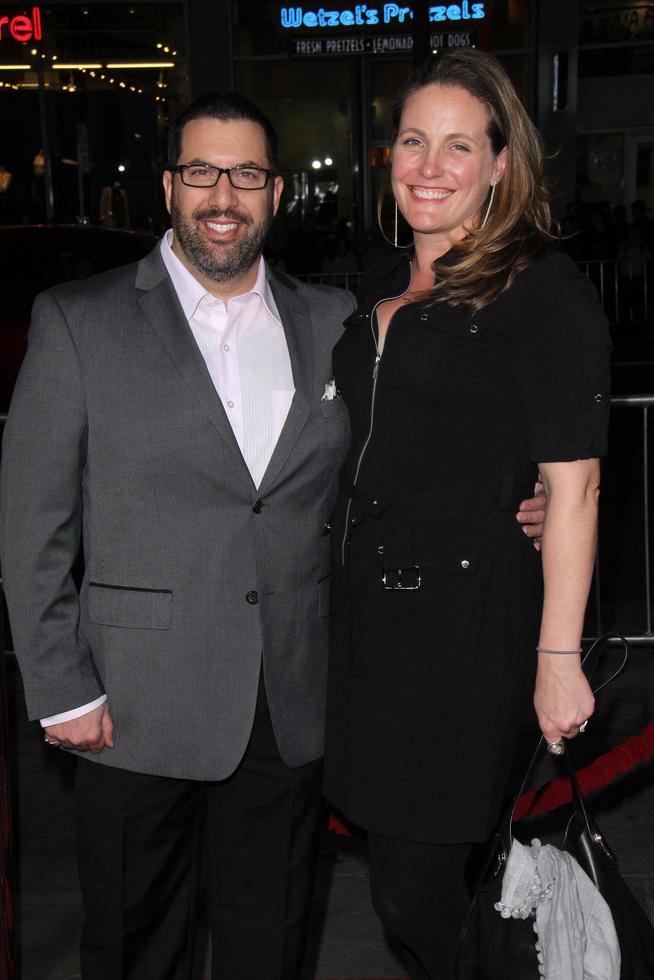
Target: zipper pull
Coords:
[[376, 367]]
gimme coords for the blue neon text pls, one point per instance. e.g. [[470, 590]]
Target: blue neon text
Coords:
[[390, 13]]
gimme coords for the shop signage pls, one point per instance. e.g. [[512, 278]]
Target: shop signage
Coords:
[[623, 22], [381, 44], [361, 15], [21, 27]]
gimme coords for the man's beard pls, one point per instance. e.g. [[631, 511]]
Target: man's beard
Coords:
[[220, 261]]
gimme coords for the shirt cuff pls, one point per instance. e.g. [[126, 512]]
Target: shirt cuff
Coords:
[[73, 713]]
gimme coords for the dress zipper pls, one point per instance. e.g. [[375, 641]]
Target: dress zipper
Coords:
[[375, 372]]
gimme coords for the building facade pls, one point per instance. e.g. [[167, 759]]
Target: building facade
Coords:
[[87, 88]]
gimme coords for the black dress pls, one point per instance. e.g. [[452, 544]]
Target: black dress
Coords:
[[436, 590]]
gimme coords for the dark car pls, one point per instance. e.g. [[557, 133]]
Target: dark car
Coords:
[[35, 257]]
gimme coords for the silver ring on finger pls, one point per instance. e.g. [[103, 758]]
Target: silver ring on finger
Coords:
[[556, 747], [49, 740]]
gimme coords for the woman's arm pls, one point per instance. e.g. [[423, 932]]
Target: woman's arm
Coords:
[[563, 698]]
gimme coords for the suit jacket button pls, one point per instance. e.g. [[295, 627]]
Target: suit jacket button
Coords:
[[258, 507], [252, 598]]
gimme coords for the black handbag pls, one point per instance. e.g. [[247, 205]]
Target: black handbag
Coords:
[[493, 948]]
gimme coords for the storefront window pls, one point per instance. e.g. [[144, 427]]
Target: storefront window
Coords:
[[600, 168], [616, 38], [88, 102], [328, 75], [310, 105], [611, 21]]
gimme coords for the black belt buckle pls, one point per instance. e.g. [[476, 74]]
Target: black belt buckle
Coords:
[[405, 579]]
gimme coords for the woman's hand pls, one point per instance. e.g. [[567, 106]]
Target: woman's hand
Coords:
[[563, 699]]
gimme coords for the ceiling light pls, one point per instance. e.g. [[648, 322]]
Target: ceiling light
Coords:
[[316, 164], [138, 64], [71, 66], [15, 67], [328, 161]]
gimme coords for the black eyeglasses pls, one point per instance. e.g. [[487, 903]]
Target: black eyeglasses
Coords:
[[243, 176]]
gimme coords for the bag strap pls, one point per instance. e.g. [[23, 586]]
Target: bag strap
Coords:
[[590, 661]]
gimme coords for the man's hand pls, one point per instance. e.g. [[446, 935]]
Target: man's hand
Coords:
[[531, 515], [91, 732]]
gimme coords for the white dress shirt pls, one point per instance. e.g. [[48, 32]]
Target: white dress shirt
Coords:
[[244, 347]]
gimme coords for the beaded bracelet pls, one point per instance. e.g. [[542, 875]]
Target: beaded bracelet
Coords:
[[547, 650]]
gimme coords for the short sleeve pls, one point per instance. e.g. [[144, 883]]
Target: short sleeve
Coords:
[[560, 350]]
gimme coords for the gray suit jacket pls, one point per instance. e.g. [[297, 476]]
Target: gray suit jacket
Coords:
[[117, 442]]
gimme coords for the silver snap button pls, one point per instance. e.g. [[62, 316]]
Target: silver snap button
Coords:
[[599, 398], [465, 563], [473, 328], [424, 316]]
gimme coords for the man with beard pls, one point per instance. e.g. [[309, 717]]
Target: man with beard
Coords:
[[169, 421]]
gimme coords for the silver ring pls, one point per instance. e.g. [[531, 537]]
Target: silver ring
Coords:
[[51, 741], [582, 727], [556, 747]]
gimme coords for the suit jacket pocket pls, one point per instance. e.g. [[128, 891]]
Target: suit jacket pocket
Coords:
[[132, 608]]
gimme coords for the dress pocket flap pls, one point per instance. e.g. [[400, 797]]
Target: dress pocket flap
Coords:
[[455, 323], [458, 554], [132, 608]]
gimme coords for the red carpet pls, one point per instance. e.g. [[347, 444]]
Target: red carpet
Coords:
[[603, 771]]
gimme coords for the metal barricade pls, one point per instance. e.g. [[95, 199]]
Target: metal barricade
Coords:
[[343, 280], [621, 597], [623, 285]]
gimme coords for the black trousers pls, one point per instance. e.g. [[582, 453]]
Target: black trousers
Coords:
[[421, 892], [142, 840]]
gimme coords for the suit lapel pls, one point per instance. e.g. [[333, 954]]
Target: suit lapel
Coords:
[[161, 307], [296, 319]]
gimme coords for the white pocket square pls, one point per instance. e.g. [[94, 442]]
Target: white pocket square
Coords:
[[330, 392]]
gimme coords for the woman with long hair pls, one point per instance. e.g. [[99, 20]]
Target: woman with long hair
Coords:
[[475, 360]]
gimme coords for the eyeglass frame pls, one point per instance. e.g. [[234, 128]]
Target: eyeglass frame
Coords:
[[181, 167]]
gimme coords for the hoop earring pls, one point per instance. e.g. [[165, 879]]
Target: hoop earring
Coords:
[[490, 204], [395, 226]]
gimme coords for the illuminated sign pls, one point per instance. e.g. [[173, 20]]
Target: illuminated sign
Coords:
[[382, 44], [364, 16], [20, 27]]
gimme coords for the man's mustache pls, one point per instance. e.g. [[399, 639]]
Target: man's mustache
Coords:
[[211, 214]]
